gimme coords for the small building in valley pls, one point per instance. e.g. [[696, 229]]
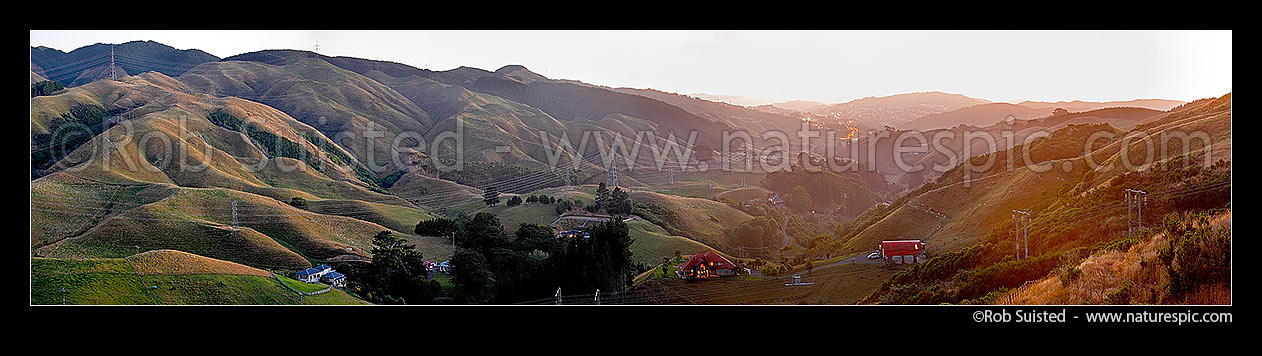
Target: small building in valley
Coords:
[[706, 265], [903, 251]]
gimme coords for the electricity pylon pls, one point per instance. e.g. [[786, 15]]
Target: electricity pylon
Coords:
[[1135, 200], [1021, 230]]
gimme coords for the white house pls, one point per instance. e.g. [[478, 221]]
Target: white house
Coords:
[[312, 275], [335, 279]]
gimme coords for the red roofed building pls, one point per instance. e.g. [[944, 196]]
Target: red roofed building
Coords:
[[903, 251], [706, 265]]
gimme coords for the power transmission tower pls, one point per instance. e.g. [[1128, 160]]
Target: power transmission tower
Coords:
[[317, 46], [672, 176], [113, 73], [1135, 200], [1021, 229]]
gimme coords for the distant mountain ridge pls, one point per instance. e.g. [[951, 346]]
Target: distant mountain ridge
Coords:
[[900, 108], [1079, 105], [978, 115], [88, 63], [799, 105]]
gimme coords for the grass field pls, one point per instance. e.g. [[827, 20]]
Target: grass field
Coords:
[[300, 285], [652, 243], [702, 220], [744, 194], [115, 281]]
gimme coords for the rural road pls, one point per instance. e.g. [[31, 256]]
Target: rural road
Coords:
[[863, 257]]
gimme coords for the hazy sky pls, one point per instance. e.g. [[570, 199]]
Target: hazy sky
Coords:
[[828, 66]]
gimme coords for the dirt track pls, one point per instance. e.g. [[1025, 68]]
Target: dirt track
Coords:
[[838, 283]]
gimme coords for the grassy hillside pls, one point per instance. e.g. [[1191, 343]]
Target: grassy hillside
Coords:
[[321, 95], [272, 234], [110, 200], [702, 220], [1076, 211], [651, 242], [162, 277]]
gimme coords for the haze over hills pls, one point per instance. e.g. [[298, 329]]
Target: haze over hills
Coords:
[[735, 116], [284, 187], [1078, 105], [977, 115], [731, 99], [896, 109]]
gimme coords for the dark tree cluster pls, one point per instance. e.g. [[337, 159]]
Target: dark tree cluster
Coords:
[[489, 268], [46, 87], [396, 274], [615, 202]]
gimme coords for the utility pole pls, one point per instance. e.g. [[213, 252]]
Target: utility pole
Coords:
[[63, 295], [453, 239], [1135, 200], [1021, 231], [597, 299], [672, 175], [558, 295]]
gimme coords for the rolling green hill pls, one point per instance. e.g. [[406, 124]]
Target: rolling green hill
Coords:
[[162, 277]]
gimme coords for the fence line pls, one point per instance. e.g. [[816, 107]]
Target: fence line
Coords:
[[282, 282]]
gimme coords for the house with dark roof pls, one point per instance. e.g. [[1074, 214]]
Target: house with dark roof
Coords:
[[312, 275], [335, 279]]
